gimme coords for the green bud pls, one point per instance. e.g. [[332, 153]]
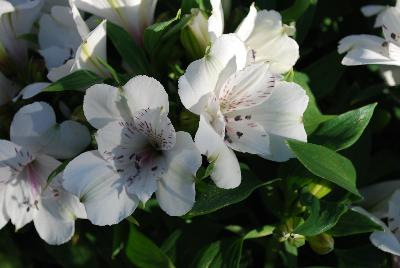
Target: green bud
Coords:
[[194, 36], [321, 244]]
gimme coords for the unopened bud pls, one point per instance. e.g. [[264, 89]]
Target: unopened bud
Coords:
[[194, 36], [321, 244]]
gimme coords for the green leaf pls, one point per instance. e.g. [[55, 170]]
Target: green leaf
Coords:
[[210, 198], [130, 52], [312, 116], [260, 232], [76, 81], [352, 223], [328, 67], [142, 252], [111, 70], [327, 164], [344, 130], [294, 12], [154, 33], [323, 216], [227, 252]]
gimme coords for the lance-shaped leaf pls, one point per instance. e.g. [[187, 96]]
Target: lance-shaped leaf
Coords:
[[76, 81]]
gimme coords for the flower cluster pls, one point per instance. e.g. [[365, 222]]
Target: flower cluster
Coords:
[[235, 87]]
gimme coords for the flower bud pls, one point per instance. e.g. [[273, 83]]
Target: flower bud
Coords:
[[321, 244], [194, 36]]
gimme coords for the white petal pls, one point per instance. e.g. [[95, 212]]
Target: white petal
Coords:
[[216, 20], [247, 88], [386, 242], [391, 75], [372, 10], [143, 92], [247, 136], [100, 189], [365, 49], [17, 23], [119, 141], [376, 197], [94, 47], [201, 76], [247, 25], [391, 27], [156, 126], [32, 90], [58, 209], [59, 72], [394, 213], [67, 140], [134, 16], [23, 193], [226, 173], [270, 40], [60, 20], [176, 189], [282, 113], [103, 104], [12, 160], [3, 213], [81, 25], [30, 125]]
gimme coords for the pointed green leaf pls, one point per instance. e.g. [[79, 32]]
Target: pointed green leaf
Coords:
[[327, 164], [76, 81]]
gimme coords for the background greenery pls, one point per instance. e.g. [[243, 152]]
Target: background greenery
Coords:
[[282, 215]]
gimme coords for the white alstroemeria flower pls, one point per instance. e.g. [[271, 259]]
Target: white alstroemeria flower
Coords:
[[383, 203], [266, 38], [139, 153], [378, 11], [8, 89], [25, 165], [133, 15], [86, 56], [246, 109], [57, 48], [369, 49], [16, 19]]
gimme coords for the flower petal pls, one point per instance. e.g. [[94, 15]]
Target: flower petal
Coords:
[[216, 20], [143, 92], [94, 47], [12, 159], [176, 189], [386, 241], [246, 88], [282, 113], [202, 76], [67, 140], [30, 125], [3, 213], [103, 104], [247, 25], [32, 90], [394, 213], [270, 40], [156, 126], [58, 209], [100, 188], [365, 49], [226, 173]]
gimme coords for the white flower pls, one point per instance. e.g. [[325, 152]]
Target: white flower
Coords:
[[378, 11], [369, 49], [139, 153], [241, 108], [86, 56], [266, 38], [59, 36], [25, 165], [133, 15], [16, 19], [382, 201]]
